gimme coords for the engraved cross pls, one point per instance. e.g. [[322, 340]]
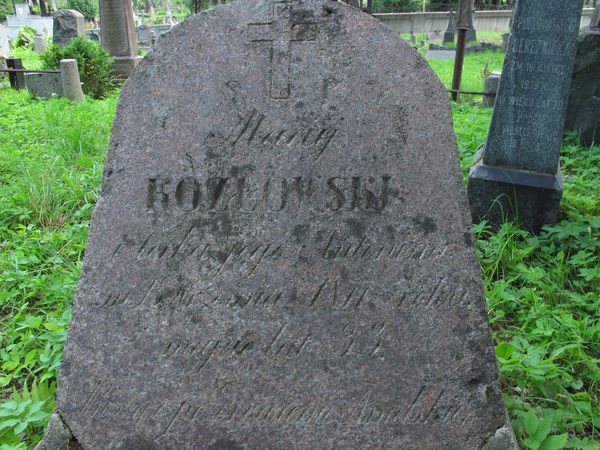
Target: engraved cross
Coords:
[[284, 28]]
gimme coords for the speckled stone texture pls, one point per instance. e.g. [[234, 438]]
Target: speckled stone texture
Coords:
[[45, 85], [281, 257], [67, 24], [527, 126]]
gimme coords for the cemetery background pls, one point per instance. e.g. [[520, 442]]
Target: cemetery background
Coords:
[[543, 292]]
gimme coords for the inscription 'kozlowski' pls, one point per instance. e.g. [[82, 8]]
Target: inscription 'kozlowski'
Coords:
[[248, 194]]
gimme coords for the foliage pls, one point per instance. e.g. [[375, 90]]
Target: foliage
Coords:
[[89, 8], [30, 59], [25, 38], [51, 156], [95, 64], [7, 8], [26, 414], [475, 65]]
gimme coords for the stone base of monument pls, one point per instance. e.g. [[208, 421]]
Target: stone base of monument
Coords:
[[497, 194], [58, 436], [44, 85], [124, 65]]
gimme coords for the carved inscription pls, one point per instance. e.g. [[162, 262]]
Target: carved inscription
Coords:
[[254, 129], [250, 254], [286, 26], [331, 294], [248, 194], [428, 404]]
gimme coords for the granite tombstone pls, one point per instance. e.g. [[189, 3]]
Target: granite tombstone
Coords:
[[280, 258], [68, 24], [518, 175], [118, 35], [583, 111], [471, 32], [449, 33]]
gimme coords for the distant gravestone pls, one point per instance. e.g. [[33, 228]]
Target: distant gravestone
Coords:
[[68, 24], [294, 267], [449, 33], [144, 36], [440, 54], [118, 35], [471, 32], [40, 43], [435, 35], [519, 176], [4, 45], [583, 112], [595, 22], [45, 85], [491, 84]]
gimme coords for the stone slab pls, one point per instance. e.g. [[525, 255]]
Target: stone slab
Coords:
[[441, 54], [280, 259], [118, 35], [44, 85], [583, 112], [528, 121], [68, 24]]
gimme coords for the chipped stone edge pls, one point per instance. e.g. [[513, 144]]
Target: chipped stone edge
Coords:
[[503, 439], [57, 436]]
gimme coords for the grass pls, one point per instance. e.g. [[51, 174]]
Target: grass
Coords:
[[543, 291]]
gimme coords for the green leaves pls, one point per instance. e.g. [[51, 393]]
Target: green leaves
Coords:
[[51, 155], [26, 413], [535, 433]]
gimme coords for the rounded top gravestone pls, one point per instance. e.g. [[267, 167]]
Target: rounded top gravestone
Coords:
[[281, 256]]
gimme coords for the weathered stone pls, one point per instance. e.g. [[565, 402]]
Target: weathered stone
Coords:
[[449, 33], [145, 36], [583, 112], [505, 39], [118, 35], [57, 436], [491, 84], [279, 258], [518, 176], [595, 22], [71, 83], [68, 24], [471, 32], [441, 54], [45, 85], [40, 43]]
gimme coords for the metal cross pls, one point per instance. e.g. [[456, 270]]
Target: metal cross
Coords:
[[281, 31]]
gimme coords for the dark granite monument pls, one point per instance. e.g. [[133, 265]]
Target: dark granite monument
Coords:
[[471, 32], [449, 33], [583, 112], [518, 175], [280, 259], [118, 35], [68, 24]]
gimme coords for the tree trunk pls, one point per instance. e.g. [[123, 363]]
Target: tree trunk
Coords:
[[43, 10]]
